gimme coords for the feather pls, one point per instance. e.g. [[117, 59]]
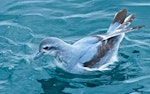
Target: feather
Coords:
[[118, 19]]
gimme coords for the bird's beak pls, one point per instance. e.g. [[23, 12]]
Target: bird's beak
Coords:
[[38, 55]]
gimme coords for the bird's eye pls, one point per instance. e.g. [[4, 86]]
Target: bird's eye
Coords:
[[46, 48], [49, 48]]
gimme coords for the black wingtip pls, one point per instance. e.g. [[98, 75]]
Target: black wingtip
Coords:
[[120, 16], [138, 27]]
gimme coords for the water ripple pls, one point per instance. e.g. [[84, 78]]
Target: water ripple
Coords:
[[138, 4], [10, 23], [7, 41], [137, 79], [22, 3], [87, 15], [140, 43]]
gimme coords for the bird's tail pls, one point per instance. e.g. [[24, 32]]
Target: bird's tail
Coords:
[[121, 21], [121, 24], [120, 31]]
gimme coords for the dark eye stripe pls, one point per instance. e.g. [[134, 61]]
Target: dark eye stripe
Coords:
[[46, 48], [49, 48], [52, 48]]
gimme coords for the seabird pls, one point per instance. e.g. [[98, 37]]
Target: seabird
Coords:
[[91, 53]]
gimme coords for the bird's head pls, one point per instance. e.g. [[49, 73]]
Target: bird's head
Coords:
[[48, 46]]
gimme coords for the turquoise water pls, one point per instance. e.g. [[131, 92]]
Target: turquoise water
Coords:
[[24, 23]]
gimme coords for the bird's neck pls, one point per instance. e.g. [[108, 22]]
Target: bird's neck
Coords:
[[64, 55], [64, 47]]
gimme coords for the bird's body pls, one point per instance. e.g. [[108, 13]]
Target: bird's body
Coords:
[[89, 53], [77, 58]]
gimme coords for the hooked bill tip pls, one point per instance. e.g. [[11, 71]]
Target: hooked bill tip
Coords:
[[38, 55]]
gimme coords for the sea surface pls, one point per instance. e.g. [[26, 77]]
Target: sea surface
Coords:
[[24, 23]]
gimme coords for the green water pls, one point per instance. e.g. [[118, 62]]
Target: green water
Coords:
[[24, 23]]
